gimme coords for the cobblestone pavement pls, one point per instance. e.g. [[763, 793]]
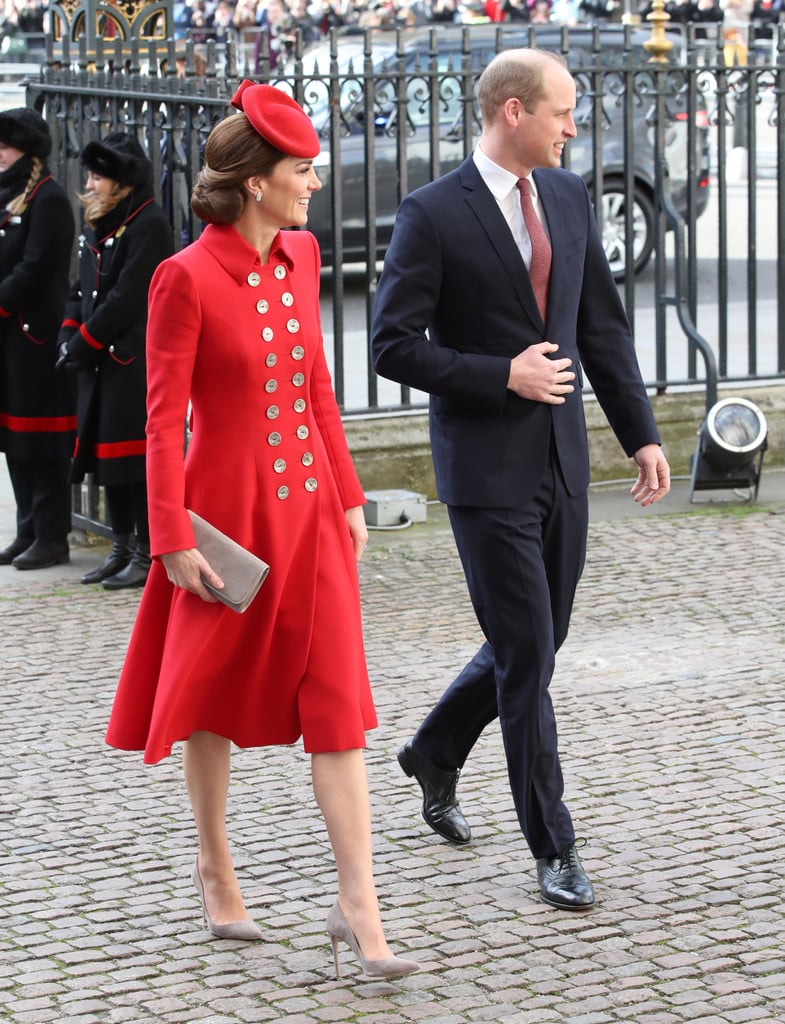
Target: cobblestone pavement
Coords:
[[670, 694]]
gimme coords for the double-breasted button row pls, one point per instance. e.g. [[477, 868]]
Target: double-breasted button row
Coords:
[[279, 466], [273, 411], [275, 385]]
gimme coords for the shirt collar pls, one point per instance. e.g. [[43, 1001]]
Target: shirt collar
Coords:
[[499, 180]]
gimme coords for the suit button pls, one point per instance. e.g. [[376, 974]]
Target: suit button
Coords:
[[268, 334], [271, 359], [270, 386], [307, 459], [293, 326], [280, 272], [302, 432], [279, 465], [283, 492], [262, 306], [298, 380], [254, 280], [298, 352], [274, 438], [272, 412], [299, 405], [311, 484], [287, 299]]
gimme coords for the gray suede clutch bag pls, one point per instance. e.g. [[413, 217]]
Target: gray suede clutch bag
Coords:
[[242, 572]]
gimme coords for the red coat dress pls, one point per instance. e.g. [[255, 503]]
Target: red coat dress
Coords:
[[269, 465]]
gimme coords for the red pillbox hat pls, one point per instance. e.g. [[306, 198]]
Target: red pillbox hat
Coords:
[[278, 119]]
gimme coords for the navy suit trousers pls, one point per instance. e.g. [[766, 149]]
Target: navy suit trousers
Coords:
[[522, 567]]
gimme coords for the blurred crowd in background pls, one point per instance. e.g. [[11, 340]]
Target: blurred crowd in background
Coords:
[[23, 21]]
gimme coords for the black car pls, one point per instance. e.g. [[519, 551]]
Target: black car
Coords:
[[397, 79]]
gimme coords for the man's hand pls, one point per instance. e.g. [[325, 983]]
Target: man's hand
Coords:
[[654, 475], [533, 375]]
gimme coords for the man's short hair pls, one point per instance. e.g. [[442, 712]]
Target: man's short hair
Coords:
[[515, 74]]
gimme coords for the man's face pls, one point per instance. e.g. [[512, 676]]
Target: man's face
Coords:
[[543, 131]]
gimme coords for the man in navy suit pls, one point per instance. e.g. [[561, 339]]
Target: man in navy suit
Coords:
[[456, 316]]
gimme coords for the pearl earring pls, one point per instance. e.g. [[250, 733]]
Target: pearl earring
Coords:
[[258, 197]]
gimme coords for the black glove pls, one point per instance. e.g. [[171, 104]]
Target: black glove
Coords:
[[64, 359]]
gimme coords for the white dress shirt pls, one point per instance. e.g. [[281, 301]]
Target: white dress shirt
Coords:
[[503, 186]]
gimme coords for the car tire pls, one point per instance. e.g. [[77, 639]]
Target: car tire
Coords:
[[613, 227]]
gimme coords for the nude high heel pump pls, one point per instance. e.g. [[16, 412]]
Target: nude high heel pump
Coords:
[[245, 930], [387, 967]]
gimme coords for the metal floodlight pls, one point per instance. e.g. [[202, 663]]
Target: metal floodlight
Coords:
[[729, 452]]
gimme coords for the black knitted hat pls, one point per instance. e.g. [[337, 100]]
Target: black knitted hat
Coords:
[[120, 157], [24, 129]]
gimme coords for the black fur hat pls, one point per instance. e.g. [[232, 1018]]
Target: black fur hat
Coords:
[[24, 129], [120, 157]]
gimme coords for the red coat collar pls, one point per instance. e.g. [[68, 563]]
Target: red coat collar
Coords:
[[236, 256]]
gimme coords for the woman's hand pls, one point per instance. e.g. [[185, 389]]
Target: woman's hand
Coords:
[[355, 517], [186, 568]]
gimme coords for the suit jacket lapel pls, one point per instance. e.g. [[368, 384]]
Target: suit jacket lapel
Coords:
[[492, 222]]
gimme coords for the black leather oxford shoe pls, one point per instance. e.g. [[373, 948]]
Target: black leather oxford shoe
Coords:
[[440, 808], [563, 882]]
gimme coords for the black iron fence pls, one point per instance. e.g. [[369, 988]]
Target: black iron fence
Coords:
[[397, 108], [684, 157]]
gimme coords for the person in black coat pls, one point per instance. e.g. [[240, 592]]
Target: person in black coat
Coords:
[[103, 337], [37, 409]]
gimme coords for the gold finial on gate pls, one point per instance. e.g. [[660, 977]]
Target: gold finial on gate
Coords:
[[658, 46]]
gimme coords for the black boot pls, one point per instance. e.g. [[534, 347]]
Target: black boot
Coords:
[[117, 559], [16, 547], [135, 573], [42, 554]]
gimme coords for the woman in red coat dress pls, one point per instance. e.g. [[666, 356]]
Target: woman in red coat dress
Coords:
[[234, 328]]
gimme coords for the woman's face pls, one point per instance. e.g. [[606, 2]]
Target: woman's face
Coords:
[[286, 192], [8, 156], [98, 185]]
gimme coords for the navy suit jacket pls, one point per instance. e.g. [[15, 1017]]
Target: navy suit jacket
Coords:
[[455, 305]]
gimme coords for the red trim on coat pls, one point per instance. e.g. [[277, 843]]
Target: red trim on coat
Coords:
[[91, 341], [38, 424], [127, 220], [39, 183], [119, 449], [4, 312], [70, 323]]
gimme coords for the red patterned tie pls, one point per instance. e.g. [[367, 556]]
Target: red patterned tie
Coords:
[[540, 269]]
